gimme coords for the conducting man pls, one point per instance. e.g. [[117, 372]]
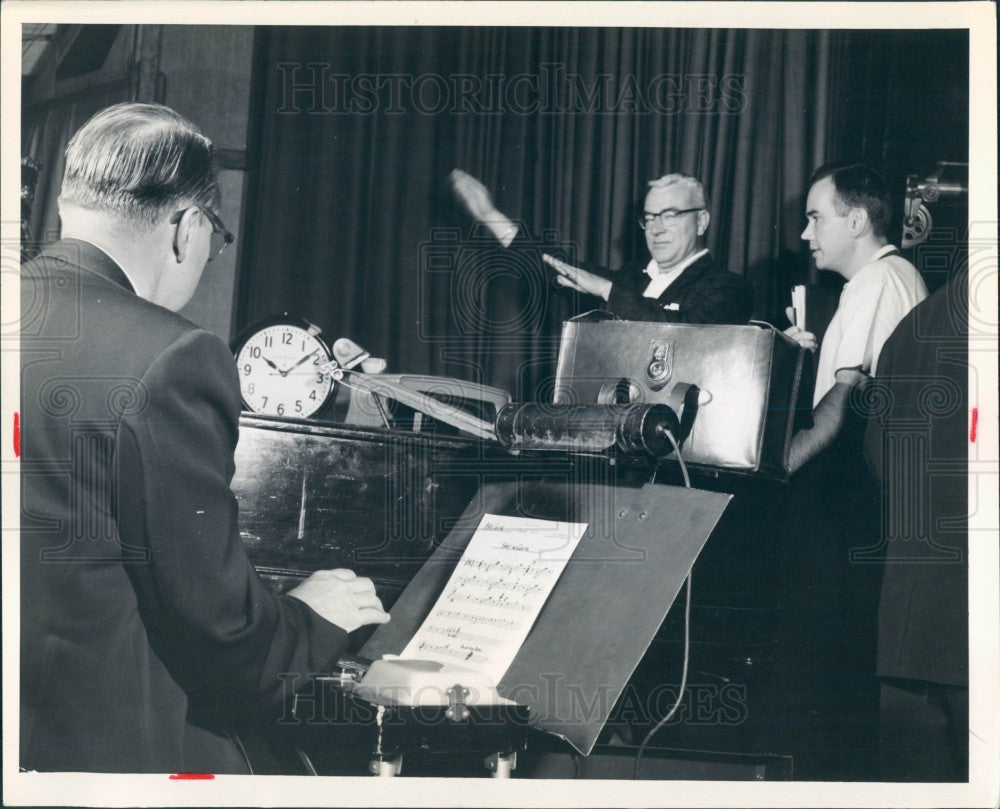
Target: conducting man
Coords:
[[680, 283]]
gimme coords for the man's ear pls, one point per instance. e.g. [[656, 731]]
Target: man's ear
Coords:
[[184, 232], [704, 217], [857, 221]]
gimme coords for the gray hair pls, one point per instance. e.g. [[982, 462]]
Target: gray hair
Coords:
[[138, 162], [684, 181]]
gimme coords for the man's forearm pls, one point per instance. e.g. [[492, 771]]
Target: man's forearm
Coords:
[[828, 417]]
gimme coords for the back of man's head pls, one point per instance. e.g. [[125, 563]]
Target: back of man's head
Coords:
[[137, 162], [858, 186], [692, 184]]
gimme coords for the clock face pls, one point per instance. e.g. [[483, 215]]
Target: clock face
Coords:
[[279, 371]]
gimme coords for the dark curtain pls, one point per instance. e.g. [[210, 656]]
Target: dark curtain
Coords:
[[351, 224], [900, 101]]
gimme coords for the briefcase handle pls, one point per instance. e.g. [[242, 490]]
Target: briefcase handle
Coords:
[[765, 325]]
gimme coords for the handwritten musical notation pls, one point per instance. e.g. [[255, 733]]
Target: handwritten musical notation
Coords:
[[495, 593]]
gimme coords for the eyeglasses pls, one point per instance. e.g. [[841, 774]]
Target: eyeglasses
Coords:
[[665, 217], [221, 238]]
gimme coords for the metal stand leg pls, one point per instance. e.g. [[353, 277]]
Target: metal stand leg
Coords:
[[386, 767], [501, 765]]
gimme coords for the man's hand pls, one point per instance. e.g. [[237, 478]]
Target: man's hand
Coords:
[[580, 280], [343, 598], [472, 194], [851, 376], [478, 201], [804, 338]]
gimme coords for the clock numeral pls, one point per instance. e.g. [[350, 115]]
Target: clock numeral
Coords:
[[250, 388], [281, 409], [265, 401], [312, 395], [286, 338], [316, 360], [319, 379], [247, 369], [255, 352], [298, 406], [268, 341]]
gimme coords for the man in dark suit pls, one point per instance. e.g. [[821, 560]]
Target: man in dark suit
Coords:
[[680, 284], [917, 446], [145, 630]]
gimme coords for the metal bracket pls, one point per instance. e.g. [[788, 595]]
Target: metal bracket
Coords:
[[386, 767], [457, 712], [501, 765]]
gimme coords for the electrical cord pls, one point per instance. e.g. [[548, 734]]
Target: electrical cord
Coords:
[[687, 634], [235, 739], [680, 460], [680, 694], [306, 761]]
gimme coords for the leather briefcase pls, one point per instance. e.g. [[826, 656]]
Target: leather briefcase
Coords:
[[750, 381]]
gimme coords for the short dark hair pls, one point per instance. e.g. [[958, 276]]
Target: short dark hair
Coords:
[[858, 186], [139, 161]]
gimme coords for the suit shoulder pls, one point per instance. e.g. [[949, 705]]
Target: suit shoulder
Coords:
[[712, 273]]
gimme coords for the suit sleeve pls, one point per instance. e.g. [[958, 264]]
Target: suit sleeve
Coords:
[[719, 297], [213, 622]]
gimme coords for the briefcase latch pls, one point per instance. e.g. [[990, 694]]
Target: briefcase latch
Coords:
[[659, 363]]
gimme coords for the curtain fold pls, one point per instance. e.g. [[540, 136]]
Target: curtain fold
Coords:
[[354, 227]]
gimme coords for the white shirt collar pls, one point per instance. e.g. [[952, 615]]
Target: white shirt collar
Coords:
[[660, 279], [882, 251], [653, 269]]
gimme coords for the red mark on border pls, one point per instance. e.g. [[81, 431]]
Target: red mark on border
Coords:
[[17, 435], [975, 424], [192, 776]]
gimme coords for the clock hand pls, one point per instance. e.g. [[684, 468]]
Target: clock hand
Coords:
[[307, 356], [275, 367]]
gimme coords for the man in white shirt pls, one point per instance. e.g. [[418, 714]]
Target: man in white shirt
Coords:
[[831, 514], [848, 212]]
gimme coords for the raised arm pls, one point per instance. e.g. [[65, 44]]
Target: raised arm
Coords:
[[478, 201]]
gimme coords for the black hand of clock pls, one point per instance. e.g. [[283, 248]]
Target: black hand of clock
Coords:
[[275, 367], [307, 356]]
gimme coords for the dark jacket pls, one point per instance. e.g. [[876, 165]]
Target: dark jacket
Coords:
[[142, 620], [917, 446], [703, 293]]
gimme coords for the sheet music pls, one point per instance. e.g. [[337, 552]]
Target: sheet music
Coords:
[[495, 593]]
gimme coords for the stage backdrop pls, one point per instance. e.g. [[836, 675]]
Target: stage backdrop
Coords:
[[354, 130]]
